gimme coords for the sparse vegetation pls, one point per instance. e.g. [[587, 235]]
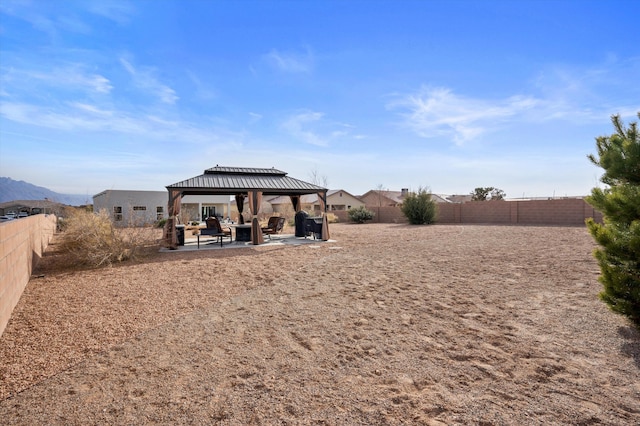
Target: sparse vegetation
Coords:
[[332, 218], [91, 239], [619, 236], [419, 208], [360, 214]]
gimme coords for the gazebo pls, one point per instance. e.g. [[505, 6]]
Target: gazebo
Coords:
[[242, 182]]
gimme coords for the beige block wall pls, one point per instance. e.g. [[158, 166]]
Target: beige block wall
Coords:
[[22, 243], [563, 212]]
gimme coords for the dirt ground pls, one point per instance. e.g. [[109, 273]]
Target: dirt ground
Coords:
[[384, 325]]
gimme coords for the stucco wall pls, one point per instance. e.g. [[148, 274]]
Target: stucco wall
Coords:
[[22, 243], [130, 204]]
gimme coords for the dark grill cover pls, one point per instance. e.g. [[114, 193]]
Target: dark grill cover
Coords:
[[300, 219]]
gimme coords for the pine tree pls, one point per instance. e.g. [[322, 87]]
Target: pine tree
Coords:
[[619, 202]]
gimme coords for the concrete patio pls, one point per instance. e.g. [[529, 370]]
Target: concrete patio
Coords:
[[191, 243]]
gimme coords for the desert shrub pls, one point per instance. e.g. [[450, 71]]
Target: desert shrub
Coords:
[[332, 218], [360, 214], [160, 223], [419, 208], [91, 239]]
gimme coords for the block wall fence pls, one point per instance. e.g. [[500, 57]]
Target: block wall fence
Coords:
[[22, 243], [561, 212]]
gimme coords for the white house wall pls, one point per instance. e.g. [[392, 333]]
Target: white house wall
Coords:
[[222, 203], [341, 200], [132, 208]]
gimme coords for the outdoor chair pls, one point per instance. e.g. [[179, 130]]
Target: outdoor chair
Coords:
[[274, 226], [214, 229]]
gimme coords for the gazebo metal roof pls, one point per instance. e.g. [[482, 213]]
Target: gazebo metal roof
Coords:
[[235, 180], [241, 182]]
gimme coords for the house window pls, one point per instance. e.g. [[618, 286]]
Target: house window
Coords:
[[117, 213], [159, 213], [139, 208]]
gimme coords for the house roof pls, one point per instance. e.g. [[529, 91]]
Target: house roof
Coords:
[[459, 198], [395, 196], [307, 199], [237, 180]]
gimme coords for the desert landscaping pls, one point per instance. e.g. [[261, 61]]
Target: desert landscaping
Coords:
[[385, 324]]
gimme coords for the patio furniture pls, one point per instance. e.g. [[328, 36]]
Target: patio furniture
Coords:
[[313, 225], [214, 229], [274, 226], [243, 232]]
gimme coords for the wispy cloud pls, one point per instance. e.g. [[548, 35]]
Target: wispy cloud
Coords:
[[81, 117], [436, 112], [558, 92], [145, 80], [73, 77], [203, 90], [312, 128], [299, 127], [254, 117], [584, 94], [54, 18], [119, 11], [291, 62]]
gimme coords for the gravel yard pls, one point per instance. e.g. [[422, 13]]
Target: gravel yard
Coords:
[[384, 325]]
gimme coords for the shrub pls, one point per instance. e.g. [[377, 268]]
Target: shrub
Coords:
[[160, 223], [91, 239], [419, 208], [619, 236], [360, 214]]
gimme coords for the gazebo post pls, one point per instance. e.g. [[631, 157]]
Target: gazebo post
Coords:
[[173, 208], [322, 197], [255, 199]]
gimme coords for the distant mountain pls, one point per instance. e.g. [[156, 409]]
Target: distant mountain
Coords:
[[11, 190]]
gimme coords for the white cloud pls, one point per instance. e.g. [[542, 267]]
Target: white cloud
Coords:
[[254, 117], [436, 112], [203, 91], [290, 62], [144, 79], [298, 126], [119, 11], [80, 117], [70, 77]]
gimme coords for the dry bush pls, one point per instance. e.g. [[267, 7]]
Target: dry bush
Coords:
[[91, 239], [332, 218]]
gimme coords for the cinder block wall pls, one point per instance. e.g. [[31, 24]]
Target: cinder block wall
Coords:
[[22, 243], [567, 212]]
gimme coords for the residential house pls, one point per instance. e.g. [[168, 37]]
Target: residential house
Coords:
[[337, 200], [384, 197], [199, 207], [132, 208]]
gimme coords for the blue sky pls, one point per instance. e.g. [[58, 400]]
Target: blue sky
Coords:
[[448, 95]]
